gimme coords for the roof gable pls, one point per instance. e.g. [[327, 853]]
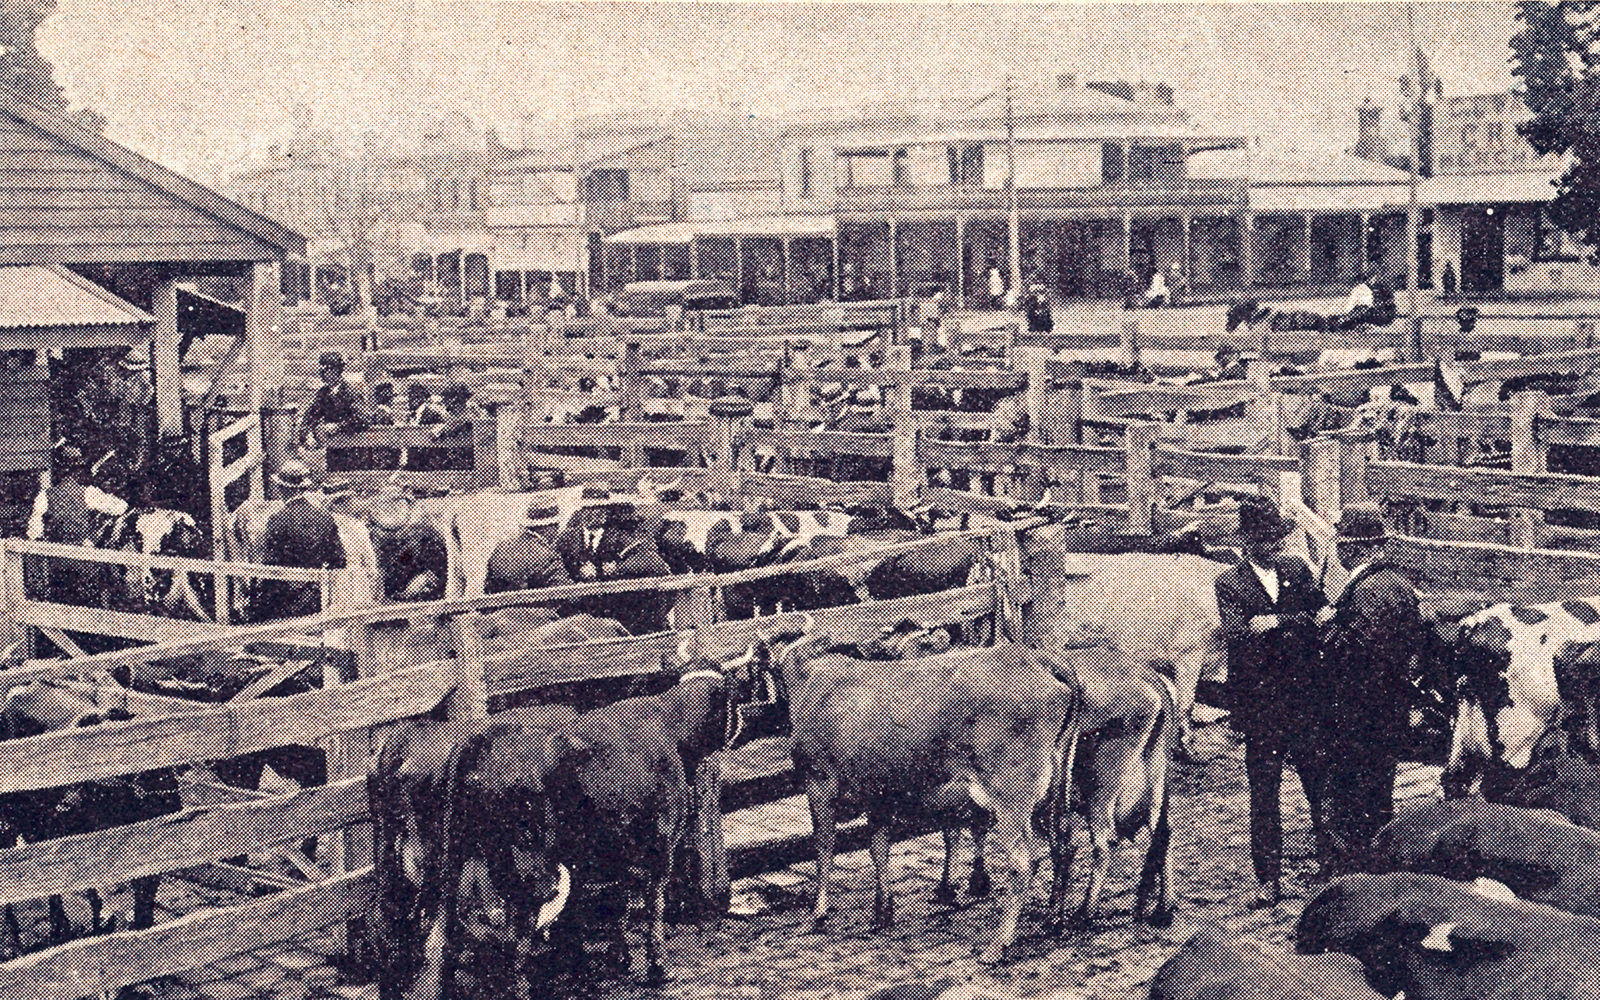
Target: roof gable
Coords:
[[68, 195]]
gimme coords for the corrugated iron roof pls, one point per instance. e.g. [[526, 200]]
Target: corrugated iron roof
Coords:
[[34, 295]]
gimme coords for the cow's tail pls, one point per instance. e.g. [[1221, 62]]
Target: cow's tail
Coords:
[[391, 949], [1064, 760], [440, 956]]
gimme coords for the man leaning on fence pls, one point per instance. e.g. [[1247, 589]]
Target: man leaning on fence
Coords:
[[303, 535]]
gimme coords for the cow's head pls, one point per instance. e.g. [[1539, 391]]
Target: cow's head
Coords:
[[735, 681], [1476, 664]]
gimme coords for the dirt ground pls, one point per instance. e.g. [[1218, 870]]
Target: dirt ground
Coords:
[[766, 955]]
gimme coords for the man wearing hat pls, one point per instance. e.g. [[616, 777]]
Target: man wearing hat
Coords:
[[1230, 364], [72, 512], [609, 540], [528, 562], [301, 534], [336, 407], [1370, 636], [1267, 602], [412, 556]]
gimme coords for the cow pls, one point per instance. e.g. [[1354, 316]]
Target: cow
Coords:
[[1539, 854], [154, 531], [927, 739], [1438, 939], [1505, 667], [1215, 964], [602, 797], [43, 706]]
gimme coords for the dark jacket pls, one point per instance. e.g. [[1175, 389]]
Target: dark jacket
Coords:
[[623, 550], [301, 534], [526, 562], [1367, 653], [336, 404], [1272, 676], [408, 555]]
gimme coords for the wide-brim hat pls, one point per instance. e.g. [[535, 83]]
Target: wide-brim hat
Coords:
[[294, 476], [334, 488], [1361, 524], [1262, 521], [331, 359], [137, 359], [541, 515]]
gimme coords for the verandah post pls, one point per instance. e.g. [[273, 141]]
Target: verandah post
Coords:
[[1140, 445]]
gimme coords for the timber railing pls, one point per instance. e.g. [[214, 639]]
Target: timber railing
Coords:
[[394, 675]]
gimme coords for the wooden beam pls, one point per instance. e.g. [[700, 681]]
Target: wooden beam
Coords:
[[1501, 369], [1550, 491], [165, 370], [183, 839], [1211, 467], [99, 965]]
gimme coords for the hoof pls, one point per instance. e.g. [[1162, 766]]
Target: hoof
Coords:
[[945, 894], [657, 976], [993, 955], [978, 887]]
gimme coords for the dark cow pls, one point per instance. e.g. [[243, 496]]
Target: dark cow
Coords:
[[42, 707], [1442, 940], [1559, 779], [926, 739], [1218, 965], [1541, 856]]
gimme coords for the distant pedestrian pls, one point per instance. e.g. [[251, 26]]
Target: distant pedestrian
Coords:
[[997, 287], [1040, 318], [1448, 279]]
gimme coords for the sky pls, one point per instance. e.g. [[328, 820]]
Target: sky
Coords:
[[203, 84]]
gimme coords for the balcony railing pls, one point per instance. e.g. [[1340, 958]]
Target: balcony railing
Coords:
[[1189, 193]]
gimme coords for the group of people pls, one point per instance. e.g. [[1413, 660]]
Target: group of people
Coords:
[[341, 407], [1323, 681]]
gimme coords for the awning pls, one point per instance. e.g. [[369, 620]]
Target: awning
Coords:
[[780, 226], [45, 306]]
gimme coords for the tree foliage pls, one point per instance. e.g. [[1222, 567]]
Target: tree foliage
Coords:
[[1556, 53], [22, 68]]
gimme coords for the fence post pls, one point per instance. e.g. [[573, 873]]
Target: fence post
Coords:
[[470, 697], [731, 415], [1140, 441], [906, 473], [1131, 348], [1356, 452], [1324, 459], [1054, 415], [1529, 456], [630, 397]]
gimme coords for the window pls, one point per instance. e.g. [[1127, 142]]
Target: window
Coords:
[[901, 174], [605, 184], [1111, 163], [805, 172]]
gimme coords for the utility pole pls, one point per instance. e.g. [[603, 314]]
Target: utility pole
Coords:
[[1413, 212], [1014, 214]]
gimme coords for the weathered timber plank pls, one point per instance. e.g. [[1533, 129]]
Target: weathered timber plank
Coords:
[[68, 756], [681, 436], [1543, 491], [1213, 467], [182, 840], [99, 621], [1473, 425], [870, 377], [1120, 402], [97, 965], [1571, 431], [1353, 379], [1443, 561], [803, 443], [1500, 369], [118, 558]]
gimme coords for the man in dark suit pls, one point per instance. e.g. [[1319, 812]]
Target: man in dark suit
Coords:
[[1266, 603], [610, 540], [1370, 639], [302, 534]]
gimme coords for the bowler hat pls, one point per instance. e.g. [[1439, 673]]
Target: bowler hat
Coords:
[[1260, 520], [1362, 523], [137, 359], [540, 515], [331, 359], [294, 475], [1226, 351]]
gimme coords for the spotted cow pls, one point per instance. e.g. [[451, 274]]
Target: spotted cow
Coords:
[[1507, 667]]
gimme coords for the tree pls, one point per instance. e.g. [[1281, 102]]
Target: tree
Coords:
[[22, 68], [1556, 54]]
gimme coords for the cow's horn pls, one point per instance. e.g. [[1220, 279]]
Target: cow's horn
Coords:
[[738, 663], [808, 622], [551, 910], [689, 645]]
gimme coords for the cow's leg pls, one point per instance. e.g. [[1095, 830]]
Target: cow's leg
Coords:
[[12, 940], [1013, 828], [656, 942], [1156, 878], [97, 907], [1102, 838], [820, 793], [60, 927], [144, 901], [882, 900], [945, 895], [979, 885]]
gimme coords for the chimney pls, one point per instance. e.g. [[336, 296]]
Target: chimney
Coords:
[[1369, 131]]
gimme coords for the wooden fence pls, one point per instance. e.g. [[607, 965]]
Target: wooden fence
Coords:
[[386, 685]]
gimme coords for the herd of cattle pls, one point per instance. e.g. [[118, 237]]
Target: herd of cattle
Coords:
[[549, 820]]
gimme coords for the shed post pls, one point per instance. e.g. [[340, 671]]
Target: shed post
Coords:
[[630, 397], [1324, 461], [731, 415], [1140, 444], [470, 697], [263, 326], [165, 370]]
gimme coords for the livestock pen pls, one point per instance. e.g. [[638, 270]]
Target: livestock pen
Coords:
[[382, 683]]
